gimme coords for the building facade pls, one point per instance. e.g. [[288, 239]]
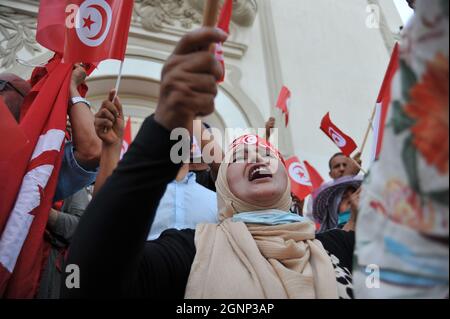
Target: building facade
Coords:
[[331, 54]]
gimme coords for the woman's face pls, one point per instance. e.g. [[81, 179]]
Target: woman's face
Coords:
[[346, 200], [258, 179]]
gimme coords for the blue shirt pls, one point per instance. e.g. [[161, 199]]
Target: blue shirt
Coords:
[[185, 204], [72, 177]]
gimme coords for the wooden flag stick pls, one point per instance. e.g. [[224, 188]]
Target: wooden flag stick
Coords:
[[366, 136], [211, 13]]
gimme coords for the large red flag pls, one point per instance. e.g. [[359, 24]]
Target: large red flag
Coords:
[[383, 102], [300, 181], [314, 176], [26, 202], [9, 128], [343, 141], [51, 24], [224, 23], [100, 30], [283, 102]]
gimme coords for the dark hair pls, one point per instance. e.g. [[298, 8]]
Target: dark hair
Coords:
[[332, 158]]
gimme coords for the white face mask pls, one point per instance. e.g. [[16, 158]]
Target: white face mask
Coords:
[[268, 217]]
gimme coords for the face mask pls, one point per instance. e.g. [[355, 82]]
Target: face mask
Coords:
[[269, 217], [344, 217]]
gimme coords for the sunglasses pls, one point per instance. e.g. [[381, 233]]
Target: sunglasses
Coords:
[[5, 84]]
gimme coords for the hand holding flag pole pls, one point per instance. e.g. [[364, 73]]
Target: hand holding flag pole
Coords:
[[210, 15]]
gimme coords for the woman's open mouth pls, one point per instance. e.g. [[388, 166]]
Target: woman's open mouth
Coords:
[[259, 172]]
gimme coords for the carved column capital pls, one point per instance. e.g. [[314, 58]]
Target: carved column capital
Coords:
[[244, 11], [154, 15], [17, 32]]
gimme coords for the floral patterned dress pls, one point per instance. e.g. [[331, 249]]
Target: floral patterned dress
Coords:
[[403, 227]]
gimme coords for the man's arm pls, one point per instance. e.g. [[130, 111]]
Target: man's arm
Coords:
[[109, 124], [354, 165], [87, 146], [110, 239]]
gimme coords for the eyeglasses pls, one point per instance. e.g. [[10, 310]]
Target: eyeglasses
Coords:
[[4, 84]]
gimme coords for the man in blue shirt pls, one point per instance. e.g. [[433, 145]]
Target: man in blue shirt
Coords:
[[185, 204]]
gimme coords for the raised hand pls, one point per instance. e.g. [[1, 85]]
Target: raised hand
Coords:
[[109, 121], [189, 80]]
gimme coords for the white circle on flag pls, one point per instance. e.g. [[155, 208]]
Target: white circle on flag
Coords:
[[251, 140], [337, 138], [299, 174], [93, 22]]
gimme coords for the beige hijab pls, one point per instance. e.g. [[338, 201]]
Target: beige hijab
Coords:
[[239, 261]]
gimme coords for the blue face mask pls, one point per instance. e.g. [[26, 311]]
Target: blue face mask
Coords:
[[344, 217], [269, 217]]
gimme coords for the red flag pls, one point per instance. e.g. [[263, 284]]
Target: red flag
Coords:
[[284, 101], [224, 23], [100, 30], [25, 204], [9, 127], [383, 102], [300, 181], [127, 139], [221, 58], [51, 24], [314, 176], [343, 141], [225, 16]]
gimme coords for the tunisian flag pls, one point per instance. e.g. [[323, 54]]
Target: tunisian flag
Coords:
[[343, 141], [224, 24], [126, 138], [383, 102], [26, 202], [51, 30], [314, 176], [97, 30], [283, 102], [15, 140], [300, 181]]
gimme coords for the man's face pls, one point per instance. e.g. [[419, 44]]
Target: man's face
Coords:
[[339, 166], [13, 91]]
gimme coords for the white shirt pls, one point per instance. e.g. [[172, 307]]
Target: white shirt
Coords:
[[185, 204]]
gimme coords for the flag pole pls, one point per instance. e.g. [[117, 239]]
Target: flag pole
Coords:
[[210, 15], [119, 78], [366, 136]]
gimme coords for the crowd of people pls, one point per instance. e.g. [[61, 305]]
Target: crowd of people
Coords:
[[144, 226]]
